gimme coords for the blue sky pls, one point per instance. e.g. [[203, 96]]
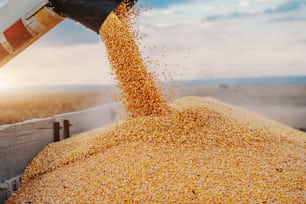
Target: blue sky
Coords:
[[197, 39]]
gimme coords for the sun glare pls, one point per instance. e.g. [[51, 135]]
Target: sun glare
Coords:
[[5, 85]]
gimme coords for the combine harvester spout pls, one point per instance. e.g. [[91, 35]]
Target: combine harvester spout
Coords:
[[22, 22]]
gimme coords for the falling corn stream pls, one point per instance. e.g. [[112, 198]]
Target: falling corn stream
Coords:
[[140, 95], [193, 150]]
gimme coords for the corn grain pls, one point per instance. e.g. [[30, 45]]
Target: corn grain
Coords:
[[141, 96], [196, 150], [204, 152]]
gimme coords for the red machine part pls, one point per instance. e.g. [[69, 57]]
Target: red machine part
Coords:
[[26, 31], [17, 34]]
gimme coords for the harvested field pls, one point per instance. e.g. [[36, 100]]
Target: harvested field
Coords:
[[16, 108], [205, 151]]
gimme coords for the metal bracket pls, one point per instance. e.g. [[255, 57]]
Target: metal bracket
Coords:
[[57, 127], [67, 129]]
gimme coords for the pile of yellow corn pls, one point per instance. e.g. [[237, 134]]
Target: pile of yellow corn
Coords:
[[205, 151], [196, 150]]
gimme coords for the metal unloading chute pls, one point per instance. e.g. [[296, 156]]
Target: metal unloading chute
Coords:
[[90, 13], [22, 22]]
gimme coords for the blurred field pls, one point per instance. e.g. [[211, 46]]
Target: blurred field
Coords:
[[282, 103], [19, 107], [285, 103]]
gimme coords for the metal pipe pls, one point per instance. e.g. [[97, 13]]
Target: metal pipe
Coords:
[[24, 22]]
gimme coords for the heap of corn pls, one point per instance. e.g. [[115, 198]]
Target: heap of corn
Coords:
[[203, 152], [194, 150]]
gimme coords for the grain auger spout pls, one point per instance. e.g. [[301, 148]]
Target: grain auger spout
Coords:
[[24, 22]]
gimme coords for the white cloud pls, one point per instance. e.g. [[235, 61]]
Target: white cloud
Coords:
[[265, 1], [244, 4], [80, 64], [238, 47], [2, 2]]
